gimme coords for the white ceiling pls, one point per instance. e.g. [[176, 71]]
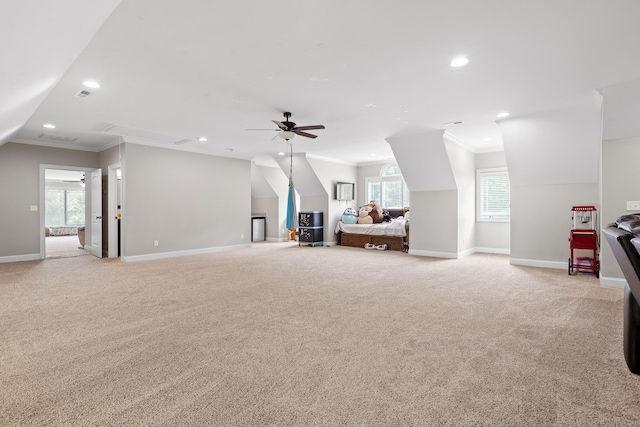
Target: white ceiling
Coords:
[[366, 69]]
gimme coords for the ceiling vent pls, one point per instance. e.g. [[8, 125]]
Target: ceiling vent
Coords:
[[82, 93], [57, 138]]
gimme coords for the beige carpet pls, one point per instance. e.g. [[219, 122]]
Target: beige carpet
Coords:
[[286, 335], [64, 247]]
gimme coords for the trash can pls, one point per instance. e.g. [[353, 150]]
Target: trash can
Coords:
[[257, 228]]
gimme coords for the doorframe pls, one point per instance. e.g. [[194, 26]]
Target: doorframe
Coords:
[[112, 201], [87, 196]]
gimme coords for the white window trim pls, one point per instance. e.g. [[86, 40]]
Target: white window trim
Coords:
[[388, 178], [479, 216]]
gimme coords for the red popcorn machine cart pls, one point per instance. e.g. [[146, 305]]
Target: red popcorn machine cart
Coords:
[[583, 241]]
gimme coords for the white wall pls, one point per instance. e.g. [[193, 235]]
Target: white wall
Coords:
[[365, 172], [189, 202], [329, 173], [463, 166], [270, 197], [554, 164]]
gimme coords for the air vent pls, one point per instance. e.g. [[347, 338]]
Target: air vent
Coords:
[[57, 138], [83, 93]]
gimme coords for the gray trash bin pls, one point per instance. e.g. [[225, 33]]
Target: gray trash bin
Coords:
[[257, 229]]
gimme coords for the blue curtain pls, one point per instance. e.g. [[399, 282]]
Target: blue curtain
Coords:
[[291, 207]]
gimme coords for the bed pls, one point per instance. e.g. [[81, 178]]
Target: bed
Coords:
[[394, 234]]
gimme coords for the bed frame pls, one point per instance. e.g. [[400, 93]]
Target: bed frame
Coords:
[[359, 240], [394, 243]]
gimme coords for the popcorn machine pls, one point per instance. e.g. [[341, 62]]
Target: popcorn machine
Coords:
[[583, 241]]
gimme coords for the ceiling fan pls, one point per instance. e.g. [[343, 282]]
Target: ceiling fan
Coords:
[[287, 129], [81, 181]]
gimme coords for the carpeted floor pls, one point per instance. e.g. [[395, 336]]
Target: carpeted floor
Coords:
[[286, 335], [64, 247]]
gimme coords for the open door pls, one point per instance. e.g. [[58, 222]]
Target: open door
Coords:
[[96, 212]]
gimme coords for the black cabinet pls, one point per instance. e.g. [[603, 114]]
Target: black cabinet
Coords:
[[310, 228]]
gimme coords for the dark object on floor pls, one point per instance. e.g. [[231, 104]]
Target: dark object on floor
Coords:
[[624, 238]]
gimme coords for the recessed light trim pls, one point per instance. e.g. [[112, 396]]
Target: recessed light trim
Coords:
[[202, 139], [49, 126], [502, 115], [460, 61], [91, 83]]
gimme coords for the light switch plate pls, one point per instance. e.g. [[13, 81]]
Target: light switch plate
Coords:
[[33, 208], [633, 205]]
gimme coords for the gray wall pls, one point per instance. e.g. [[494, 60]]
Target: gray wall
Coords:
[[492, 235], [541, 221], [619, 184], [434, 223], [188, 202], [20, 188]]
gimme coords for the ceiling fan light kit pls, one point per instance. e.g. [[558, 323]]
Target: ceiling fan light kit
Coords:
[[288, 129]]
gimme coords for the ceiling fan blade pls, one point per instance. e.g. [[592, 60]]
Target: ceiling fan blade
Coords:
[[301, 133], [279, 124], [308, 127]]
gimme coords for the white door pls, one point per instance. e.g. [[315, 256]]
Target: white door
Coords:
[[96, 213]]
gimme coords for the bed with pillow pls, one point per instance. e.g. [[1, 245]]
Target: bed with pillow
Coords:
[[394, 234]]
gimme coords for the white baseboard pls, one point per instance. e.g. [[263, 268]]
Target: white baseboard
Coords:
[[433, 254], [277, 239], [612, 282], [459, 254], [163, 255], [539, 263], [493, 251], [19, 258]]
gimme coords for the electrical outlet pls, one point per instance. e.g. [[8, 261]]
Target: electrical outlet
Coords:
[[242, 236], [155, 243], [34, 208], [633, 205]]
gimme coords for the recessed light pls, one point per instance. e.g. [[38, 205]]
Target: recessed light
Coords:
[[502, 115], [92, 84], [49, 126], [459, 61], [202, 139], [281, 154], [373, 154]]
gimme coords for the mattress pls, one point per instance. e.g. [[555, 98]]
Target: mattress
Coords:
[[396, 227]]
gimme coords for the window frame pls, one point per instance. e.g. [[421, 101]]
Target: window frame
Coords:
[[483, 216], [380, 179]]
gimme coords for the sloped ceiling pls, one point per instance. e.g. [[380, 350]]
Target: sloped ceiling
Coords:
[[40, 41], [366, 69]]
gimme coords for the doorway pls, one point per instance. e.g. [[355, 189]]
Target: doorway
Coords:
[[67, 214], [114, 210]]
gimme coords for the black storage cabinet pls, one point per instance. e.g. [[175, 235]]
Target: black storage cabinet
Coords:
[[310, 228]]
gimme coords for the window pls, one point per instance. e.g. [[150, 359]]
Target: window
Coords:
[[389, 189], [64, 207], [494, 195]]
